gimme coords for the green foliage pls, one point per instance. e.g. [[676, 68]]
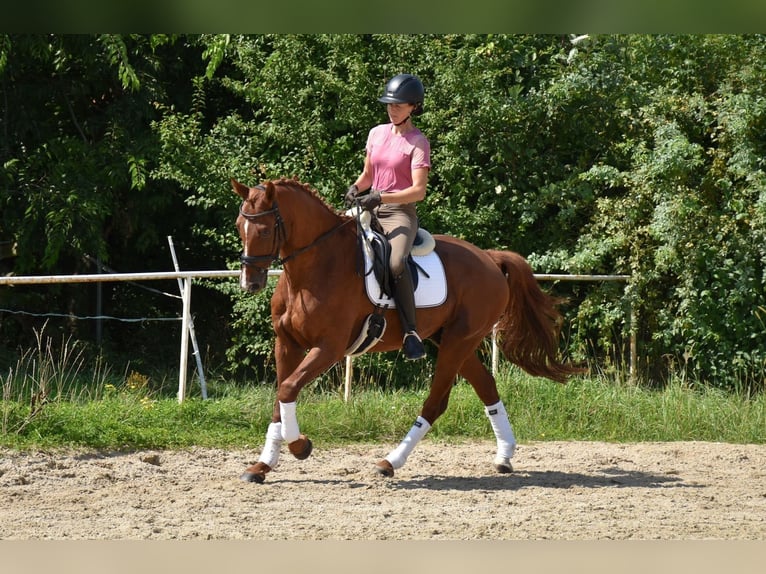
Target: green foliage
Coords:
[[251, 314], [677, 208]]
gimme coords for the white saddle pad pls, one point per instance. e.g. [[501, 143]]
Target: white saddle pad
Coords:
[[430, 292]]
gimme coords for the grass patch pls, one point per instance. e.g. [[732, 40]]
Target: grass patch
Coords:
[[57, 398], [123, 417], [599, 409]]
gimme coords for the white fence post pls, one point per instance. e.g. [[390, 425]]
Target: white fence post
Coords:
[[192, 334], [186, 295], [347, 379]]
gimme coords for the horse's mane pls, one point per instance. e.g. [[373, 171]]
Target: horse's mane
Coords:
[[295, 183]]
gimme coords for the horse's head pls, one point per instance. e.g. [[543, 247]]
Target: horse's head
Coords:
[[262, 232]]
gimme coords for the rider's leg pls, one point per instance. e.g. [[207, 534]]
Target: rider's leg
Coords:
[[400, 223], [405, 305]]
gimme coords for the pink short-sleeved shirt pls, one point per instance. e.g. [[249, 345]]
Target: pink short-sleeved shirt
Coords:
[[393, 157]]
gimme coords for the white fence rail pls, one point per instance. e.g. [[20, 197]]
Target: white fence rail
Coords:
[[187, 276]]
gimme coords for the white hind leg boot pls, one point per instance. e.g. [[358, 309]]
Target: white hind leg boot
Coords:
[[506, 441], [398, 456]]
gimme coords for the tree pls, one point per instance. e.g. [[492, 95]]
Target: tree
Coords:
[[77, 147]]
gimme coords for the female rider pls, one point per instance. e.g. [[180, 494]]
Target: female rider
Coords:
[[396, 167]]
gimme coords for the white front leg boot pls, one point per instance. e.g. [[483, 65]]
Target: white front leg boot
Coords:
[[290, 429], [271, 450]]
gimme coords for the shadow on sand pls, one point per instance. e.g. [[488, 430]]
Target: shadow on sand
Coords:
[[612, 477]]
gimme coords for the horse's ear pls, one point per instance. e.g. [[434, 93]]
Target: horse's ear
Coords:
[[241, 190], [269, 187]]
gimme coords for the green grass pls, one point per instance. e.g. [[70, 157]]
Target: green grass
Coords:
[[54, 397], [110, 412], [597, 409]]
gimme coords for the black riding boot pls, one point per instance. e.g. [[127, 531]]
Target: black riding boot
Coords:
[[404, 296]]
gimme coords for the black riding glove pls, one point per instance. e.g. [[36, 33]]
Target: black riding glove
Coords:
[[351, 195], [370, 201]]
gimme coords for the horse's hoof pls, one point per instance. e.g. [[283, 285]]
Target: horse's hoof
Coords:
[[384, 468], [257, 477], [504, 468], [255, 473], [301, 448]]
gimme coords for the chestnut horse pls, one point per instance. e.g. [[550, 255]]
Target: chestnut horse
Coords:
[[320, 304]]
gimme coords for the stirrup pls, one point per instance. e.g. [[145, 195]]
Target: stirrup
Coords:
[[412, 346]]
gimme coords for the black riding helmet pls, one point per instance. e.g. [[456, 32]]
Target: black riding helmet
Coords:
[[404, 89]]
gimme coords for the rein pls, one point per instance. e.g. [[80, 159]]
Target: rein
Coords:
[[280, 238]]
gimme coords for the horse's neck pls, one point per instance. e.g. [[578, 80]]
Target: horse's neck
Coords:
[[318, 267], [308, 221]]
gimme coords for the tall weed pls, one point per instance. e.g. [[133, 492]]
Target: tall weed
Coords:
[[48, 374]]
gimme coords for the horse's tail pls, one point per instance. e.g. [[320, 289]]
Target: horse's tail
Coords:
[[529, 329]]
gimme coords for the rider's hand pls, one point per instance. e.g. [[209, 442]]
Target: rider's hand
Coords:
[[370, 201], [351, 195]]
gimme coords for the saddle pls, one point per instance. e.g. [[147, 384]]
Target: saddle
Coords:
[[378, 256], [426, 270]]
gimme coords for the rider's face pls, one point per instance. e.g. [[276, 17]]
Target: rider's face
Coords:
[[399, 112]]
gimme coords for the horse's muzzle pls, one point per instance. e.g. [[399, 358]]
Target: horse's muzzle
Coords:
[[253, 280]]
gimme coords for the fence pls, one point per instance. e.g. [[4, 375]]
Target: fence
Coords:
[[185, 279]]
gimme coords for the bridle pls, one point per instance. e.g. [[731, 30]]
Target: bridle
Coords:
[[280, 236], [279, 239]]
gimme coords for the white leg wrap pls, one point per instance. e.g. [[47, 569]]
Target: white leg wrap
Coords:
[[290, 431], [398, 456], [506, 441], [270, 452]]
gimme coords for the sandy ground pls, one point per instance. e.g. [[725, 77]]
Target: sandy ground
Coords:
[[558, 491]]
